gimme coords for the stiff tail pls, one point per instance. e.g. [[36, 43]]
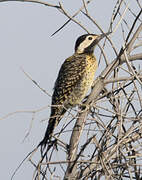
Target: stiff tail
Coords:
[[53, 122], [50, 128]]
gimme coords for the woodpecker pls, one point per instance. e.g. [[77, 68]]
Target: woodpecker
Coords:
[[74, 79]]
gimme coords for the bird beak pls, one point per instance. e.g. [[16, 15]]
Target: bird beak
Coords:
[[101, 36]]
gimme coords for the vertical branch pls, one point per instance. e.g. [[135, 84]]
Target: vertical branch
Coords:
[[79, 125], [114, 112]]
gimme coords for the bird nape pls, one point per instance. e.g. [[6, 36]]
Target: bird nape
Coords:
[[74, 79]]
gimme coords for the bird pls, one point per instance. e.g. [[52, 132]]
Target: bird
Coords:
[[74, 79]]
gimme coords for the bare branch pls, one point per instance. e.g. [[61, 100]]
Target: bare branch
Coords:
[[34, 1], [66, 14], [106, 140], [43, 90]]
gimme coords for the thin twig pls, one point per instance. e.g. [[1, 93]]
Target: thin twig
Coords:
[[43, 90]]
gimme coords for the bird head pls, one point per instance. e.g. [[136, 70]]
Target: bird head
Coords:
[[87, 42]]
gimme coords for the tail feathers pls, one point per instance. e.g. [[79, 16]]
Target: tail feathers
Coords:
[[49, 131], [53, 122]]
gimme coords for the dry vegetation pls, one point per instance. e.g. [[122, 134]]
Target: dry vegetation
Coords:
[[106, 140]]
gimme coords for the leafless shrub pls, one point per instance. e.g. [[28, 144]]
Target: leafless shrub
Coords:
[[106, 139]]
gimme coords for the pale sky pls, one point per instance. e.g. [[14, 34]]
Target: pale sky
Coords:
[[25, 30]]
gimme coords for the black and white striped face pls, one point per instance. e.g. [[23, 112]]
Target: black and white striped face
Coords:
[[85, 43]]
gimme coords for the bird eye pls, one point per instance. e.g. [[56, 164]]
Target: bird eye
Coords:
[[89, 38]]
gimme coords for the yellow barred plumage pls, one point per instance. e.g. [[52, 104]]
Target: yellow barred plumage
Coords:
[[75, 77]]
